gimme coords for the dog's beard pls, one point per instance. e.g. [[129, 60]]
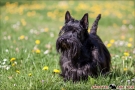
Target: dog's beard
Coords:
[[69, 47]]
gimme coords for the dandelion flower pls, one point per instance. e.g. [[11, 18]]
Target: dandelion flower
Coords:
[[112, 41], [46, 29], [23, 22], [130, 39], [123, 37], [17, 71], [109, 45], [30, 74], [126, 54], [6, 18], [56, 71], [13, 64], [12, 59], [125, 69], [125, 21], [62, 89], [21, 37], [45, 68], [129, 45], [37, 41], [60, 27], [37, 51]]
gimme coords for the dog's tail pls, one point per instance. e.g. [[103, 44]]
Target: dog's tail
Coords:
[[95, 25]]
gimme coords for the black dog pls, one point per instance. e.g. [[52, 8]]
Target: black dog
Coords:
[[82, 54]]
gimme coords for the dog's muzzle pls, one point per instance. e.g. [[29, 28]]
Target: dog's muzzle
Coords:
[[65, 43]]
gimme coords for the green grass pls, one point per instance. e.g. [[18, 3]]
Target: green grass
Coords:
[[17, 19]]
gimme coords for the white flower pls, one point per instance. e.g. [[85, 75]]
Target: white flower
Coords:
[[130, 57], [25, 50], [128, 81], [9, 37], [15, 62], [121, 43], [8, 67], [51, 34], [14, 84], [42, 30], [3, 63], [131, 26], [134, 51], [116, 56], [31, 31], [123, 27], [6, 50], [46, 52], [4, 60]]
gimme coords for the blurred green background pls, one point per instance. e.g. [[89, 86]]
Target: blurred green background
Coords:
[[28, 33]]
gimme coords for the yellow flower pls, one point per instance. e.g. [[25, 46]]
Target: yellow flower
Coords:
[[37, 41], [89, 30], [129, 45], [31, 13], [124, 21], [30, 74], [60, 27], [12, 59], [21, 37], [38, 51], [56, 71], [125, 69], [126, 54], [23, 22], [17, 71], [46, 29], [45, 68], [130, 39], [115, 25], [62, 89], [109, 45], [6, 18], [13, 64], [122, 37], [112, 41]]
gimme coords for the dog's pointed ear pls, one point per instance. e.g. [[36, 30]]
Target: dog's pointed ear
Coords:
[[67, 17], [84, 21]]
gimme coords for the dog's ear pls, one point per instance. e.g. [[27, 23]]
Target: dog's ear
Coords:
[[67, 17], [84, 21]]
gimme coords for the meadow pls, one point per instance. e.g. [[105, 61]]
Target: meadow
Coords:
[[28, 33]]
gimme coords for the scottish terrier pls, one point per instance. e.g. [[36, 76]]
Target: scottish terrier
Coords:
[[83, 54]]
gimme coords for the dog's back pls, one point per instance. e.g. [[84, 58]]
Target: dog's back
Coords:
[[102, 55]]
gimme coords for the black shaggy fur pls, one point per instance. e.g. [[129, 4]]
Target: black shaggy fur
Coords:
[[83, 54]]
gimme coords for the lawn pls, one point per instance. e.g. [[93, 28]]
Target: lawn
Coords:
[[28, 33]]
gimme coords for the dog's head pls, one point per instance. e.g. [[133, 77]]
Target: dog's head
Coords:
[[72, 34]]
